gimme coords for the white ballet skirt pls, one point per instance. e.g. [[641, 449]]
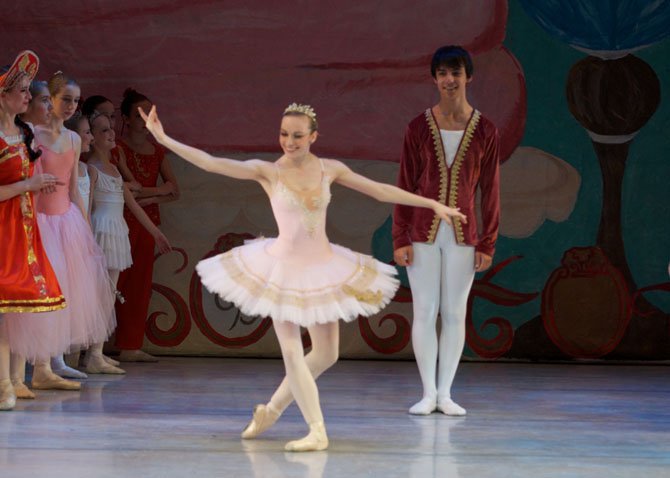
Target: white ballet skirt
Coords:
[[84, 186], [299, 276], [109, 226], [81, 271]]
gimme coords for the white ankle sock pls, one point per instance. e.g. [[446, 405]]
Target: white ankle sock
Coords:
[[59, 367]]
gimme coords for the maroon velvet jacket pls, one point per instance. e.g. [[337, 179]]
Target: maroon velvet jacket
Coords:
[[424, 171]]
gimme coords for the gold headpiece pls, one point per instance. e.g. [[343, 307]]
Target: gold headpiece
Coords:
[[302, 109], [26, 64]]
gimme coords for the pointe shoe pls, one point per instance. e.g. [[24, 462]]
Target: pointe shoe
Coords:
[[316, 439], [7, 395], [97, 364], [22, 391], [425, 406], [54, 382], [451, 408], [136, 356], [110, 360], [264, 417]]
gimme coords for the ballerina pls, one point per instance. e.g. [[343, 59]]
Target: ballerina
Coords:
[[298, 278]]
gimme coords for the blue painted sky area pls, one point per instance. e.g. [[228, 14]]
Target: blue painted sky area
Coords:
[[602, 24]]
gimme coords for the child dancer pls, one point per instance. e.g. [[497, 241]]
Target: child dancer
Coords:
[[140, 161], [109, 195]]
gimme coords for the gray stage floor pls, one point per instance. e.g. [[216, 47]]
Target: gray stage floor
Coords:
[[182, 418]]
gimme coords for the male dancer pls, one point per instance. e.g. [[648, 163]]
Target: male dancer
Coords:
[[449, 151]]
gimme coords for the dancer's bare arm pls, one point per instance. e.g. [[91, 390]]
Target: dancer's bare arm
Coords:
[[388, 193], [253, 169]]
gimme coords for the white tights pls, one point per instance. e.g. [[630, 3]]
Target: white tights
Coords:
[[440, 277], [302, 370]]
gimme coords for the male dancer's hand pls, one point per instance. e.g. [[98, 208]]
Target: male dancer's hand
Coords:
[[404, 256], [482, 261]]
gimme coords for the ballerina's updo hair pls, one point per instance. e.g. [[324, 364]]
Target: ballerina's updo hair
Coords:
[[91, 104], [28, 135], [59, 81], [73, 122], [36, 86], [130, 98], [298, 109]]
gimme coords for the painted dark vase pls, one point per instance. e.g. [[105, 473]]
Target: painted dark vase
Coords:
[[586, 304]]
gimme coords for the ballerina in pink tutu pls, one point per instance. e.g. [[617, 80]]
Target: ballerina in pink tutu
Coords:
[[71, 248], [299, 278]]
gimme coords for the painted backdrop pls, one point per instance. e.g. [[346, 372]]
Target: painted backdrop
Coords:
[[576, 92]]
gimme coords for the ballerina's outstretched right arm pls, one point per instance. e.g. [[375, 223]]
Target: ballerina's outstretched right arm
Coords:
[[253, 169]]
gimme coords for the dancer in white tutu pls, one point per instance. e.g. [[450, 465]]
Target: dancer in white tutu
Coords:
[[110, 193], [298, 278]]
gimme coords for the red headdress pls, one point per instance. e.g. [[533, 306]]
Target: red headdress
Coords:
[[26, 64]]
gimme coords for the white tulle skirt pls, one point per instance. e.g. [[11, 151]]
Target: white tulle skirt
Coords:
[[82, 274], [343, 285], [111, 234]]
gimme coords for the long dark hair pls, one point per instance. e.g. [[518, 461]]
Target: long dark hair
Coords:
[[28, 137]]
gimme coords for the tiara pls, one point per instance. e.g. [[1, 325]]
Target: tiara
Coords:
[[94, 116], [302, 109]]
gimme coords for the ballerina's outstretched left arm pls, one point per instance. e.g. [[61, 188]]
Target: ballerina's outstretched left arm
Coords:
[[383, 192]]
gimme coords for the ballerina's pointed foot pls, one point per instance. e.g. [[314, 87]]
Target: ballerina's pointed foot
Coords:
[[316, 440], [22, 391], [451, 408], [7, 395], [425, 406], [264, 417]]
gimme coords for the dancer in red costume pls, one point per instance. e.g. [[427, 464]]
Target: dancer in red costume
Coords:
[[27, 281], [450, 151], [142, 161]]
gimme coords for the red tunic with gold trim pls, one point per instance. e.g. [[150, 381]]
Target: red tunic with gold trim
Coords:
[[27, 281], [135, 282], [424, 171]]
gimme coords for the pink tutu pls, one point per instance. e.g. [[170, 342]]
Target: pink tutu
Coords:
[[300, 288], [82, 274]]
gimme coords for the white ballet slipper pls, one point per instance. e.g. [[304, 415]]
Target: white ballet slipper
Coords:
[[451, 408], [425, 406]]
